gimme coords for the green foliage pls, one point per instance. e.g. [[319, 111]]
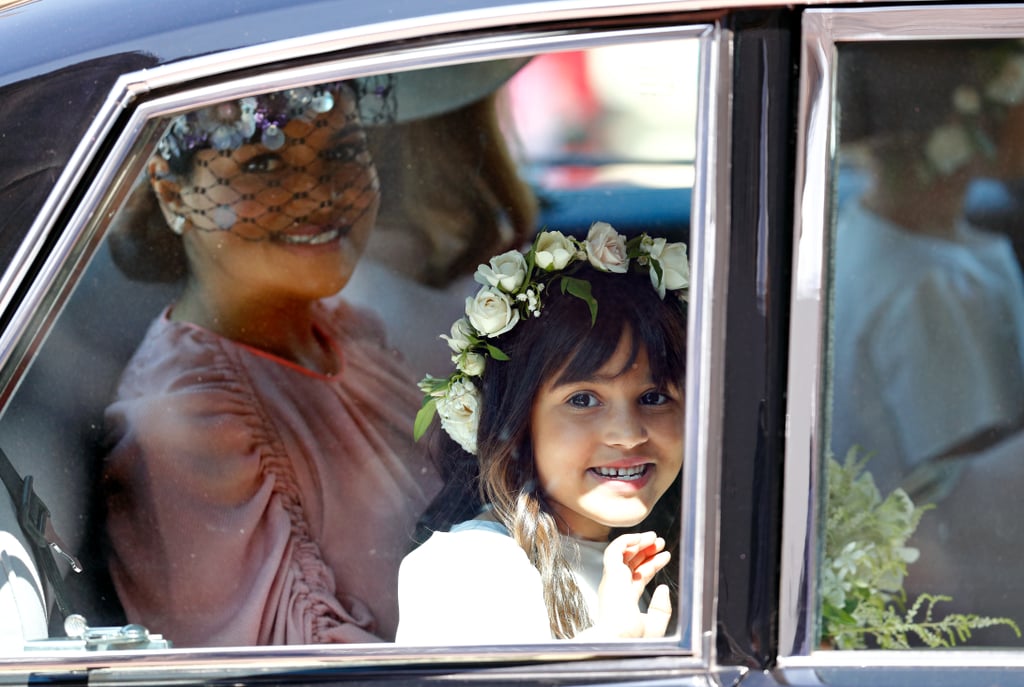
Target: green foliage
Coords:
[[865, 563]]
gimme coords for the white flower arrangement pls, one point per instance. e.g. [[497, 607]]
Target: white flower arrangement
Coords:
[[952, 145], [865, 563], [512, 289]]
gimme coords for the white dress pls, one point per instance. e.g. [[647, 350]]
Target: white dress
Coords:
[[928, 341], [475, 585]]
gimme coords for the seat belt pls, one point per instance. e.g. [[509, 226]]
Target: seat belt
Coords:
[[34, 518]]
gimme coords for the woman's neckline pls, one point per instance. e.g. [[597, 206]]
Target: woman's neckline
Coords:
[[329, 344]]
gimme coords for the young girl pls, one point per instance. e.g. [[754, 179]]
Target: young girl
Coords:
[[569, 391]]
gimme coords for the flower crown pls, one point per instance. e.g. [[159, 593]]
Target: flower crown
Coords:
[[513, 285], [952, 145]]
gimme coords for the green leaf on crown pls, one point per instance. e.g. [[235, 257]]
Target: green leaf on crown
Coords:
[[581, 289]]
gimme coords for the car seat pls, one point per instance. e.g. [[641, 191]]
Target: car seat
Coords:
[[52, 430]]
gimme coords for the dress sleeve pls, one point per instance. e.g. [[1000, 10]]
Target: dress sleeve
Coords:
[[470, 587], [951, 358], [208, 543]]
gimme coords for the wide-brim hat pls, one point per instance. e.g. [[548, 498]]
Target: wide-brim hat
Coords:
[[391, 98], [422, 93], [908, 87]]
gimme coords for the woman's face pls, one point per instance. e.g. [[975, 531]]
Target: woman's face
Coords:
[[291, 221], [607, 448]]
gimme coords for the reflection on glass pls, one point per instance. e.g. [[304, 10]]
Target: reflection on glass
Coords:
[[927, 311], [242, 435], [236, 372]]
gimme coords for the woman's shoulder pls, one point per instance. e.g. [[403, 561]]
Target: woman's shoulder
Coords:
[[172, 354]]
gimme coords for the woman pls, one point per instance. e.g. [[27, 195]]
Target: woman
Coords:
[[451, 198], [262, 483]]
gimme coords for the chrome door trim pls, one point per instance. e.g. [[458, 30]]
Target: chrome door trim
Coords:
[[709, 265]]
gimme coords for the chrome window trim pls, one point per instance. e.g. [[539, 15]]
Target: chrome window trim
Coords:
[[709, 272], [822, 30], [113, 180]]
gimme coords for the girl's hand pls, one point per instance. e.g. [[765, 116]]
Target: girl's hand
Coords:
[[630, 562]]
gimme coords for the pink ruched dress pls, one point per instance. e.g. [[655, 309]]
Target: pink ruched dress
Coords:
[[252, 501]]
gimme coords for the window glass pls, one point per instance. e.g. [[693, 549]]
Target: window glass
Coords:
[[221, 418], [926, 391]]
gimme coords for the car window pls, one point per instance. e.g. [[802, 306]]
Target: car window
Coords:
[[927, 328], [921, 338], [174, 431]]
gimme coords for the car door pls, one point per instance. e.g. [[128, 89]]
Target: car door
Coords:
[[890, 407], [646, 143]]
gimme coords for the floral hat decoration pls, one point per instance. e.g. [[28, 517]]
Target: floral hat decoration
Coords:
[[513, 288], [228, 125], [953, 144], [953, 99]]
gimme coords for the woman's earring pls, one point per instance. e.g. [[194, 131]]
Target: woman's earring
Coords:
[[178, 225]]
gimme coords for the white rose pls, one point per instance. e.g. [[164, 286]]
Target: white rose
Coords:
[[966, 100], [653, 247], [469, 363], [606, 248], [459, 340], [506, 271], [491, 312], [675, 267], [1008, 87], [554, 251], [949, 148], [459, 413]]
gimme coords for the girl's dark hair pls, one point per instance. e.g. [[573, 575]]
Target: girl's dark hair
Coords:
[[561, 341]]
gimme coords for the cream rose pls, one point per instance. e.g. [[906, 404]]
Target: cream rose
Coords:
[[652, 247], [554, 251], [675, 267], [491, 312], [506, 271], [949, 148], [459, 340], [469, 363], [459, 413], [1008, 87], [966, 100], [606, 248]]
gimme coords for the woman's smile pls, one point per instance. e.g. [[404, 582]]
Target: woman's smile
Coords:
[[307, 235]]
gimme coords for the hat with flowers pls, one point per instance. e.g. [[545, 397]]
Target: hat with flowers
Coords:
[[513, 288], [955, 98]]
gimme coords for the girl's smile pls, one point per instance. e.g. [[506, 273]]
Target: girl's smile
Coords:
[[607, 448], [631, 475]]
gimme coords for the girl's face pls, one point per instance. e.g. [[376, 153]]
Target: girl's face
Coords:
[[291, 221], [607, 448]]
